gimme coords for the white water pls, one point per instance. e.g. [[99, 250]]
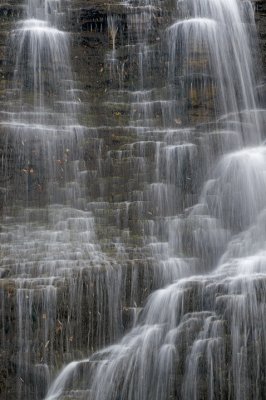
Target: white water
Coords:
[[49, 247], [201, 336]]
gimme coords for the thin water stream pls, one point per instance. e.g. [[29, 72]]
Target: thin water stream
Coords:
[[48, 240]]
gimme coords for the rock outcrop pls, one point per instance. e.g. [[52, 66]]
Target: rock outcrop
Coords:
[[120, 166]]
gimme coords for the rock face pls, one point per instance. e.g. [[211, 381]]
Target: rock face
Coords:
[[261, 26], [125, 190]]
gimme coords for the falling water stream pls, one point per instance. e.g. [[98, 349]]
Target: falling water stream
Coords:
[[202, 333], [48, 242]]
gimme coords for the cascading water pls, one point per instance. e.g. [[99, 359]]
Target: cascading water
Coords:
[[201, 336], [51, 265]]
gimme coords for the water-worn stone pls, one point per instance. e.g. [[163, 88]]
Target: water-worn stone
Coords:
[[119, 171]]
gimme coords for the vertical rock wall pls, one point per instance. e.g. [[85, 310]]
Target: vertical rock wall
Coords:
[[115, 176]]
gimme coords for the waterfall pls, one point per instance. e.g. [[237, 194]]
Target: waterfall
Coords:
[[201, 334], [51, 262]]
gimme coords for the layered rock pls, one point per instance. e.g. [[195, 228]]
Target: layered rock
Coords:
[[121, 180]]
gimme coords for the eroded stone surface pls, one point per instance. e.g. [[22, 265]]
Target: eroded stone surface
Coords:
[[114, 179]]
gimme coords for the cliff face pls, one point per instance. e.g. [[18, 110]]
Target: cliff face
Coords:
[[98, 77], [119, 169], [261, 26]]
